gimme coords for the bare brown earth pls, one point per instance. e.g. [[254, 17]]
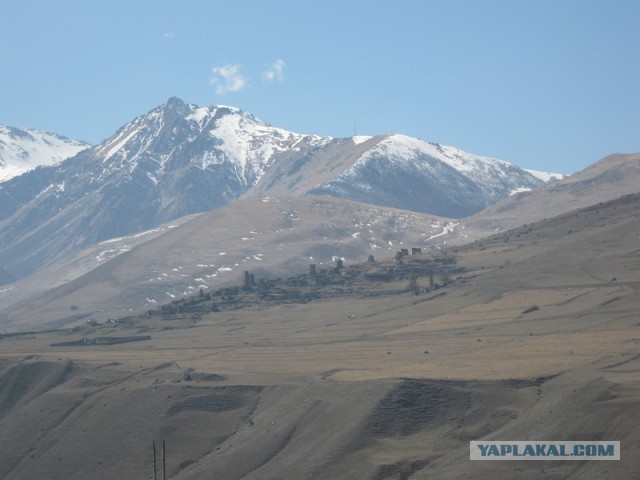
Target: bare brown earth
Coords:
[[538, 337], [270, 236], [605, 180]]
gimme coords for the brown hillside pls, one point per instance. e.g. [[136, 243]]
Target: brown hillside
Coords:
[[535, 337]]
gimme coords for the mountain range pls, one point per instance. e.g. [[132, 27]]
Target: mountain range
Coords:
[[276, 236], [180, 159]]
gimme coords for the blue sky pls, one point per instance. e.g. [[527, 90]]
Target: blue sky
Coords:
[[547, 84]]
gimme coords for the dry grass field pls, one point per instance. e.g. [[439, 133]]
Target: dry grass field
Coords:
[[537, 338]]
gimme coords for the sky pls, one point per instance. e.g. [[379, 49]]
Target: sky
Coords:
[[545, 84]]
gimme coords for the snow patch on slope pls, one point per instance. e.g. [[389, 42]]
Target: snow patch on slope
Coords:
[[358, 139], [546, 176]]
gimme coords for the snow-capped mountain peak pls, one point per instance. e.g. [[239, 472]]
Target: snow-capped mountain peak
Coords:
[[212, 136], [22, 150]]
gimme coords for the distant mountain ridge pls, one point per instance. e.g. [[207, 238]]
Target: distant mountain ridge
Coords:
[[23, 149], [607, 179], [180, 159], [408, 173]]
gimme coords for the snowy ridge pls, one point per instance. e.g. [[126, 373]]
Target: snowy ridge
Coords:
[[401, 150], [246, 140], [409, 173], [219, 134], [22, 150]]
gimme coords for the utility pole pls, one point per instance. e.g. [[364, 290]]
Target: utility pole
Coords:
[[154, 459], [164, 462]]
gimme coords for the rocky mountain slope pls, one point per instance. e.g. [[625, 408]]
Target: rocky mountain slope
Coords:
[[180, 159], [176, 160], [400, 172]]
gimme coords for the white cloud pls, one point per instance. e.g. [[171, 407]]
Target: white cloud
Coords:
[[275, 72], [169, 35], [227, 78]]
